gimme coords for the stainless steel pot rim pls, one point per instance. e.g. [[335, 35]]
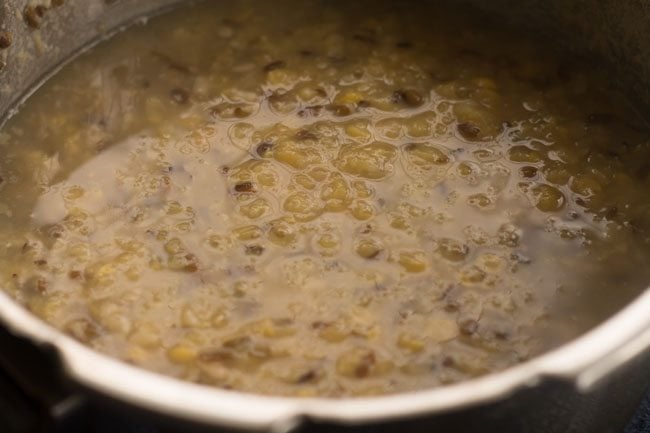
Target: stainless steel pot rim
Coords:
[[583, 361]]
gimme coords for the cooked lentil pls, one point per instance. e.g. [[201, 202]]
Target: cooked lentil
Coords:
[[344, 198]]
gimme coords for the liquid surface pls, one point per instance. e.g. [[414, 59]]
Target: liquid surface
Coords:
[[319, 198]]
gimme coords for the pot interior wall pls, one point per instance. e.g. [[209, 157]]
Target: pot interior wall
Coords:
[[614, 33], [42, 34]]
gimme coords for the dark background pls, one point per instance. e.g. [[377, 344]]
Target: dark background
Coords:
[[641, 421]]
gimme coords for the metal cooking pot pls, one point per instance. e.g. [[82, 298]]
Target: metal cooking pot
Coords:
[[591, 384]]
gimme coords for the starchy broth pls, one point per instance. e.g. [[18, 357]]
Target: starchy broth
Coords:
[[324, 198]]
